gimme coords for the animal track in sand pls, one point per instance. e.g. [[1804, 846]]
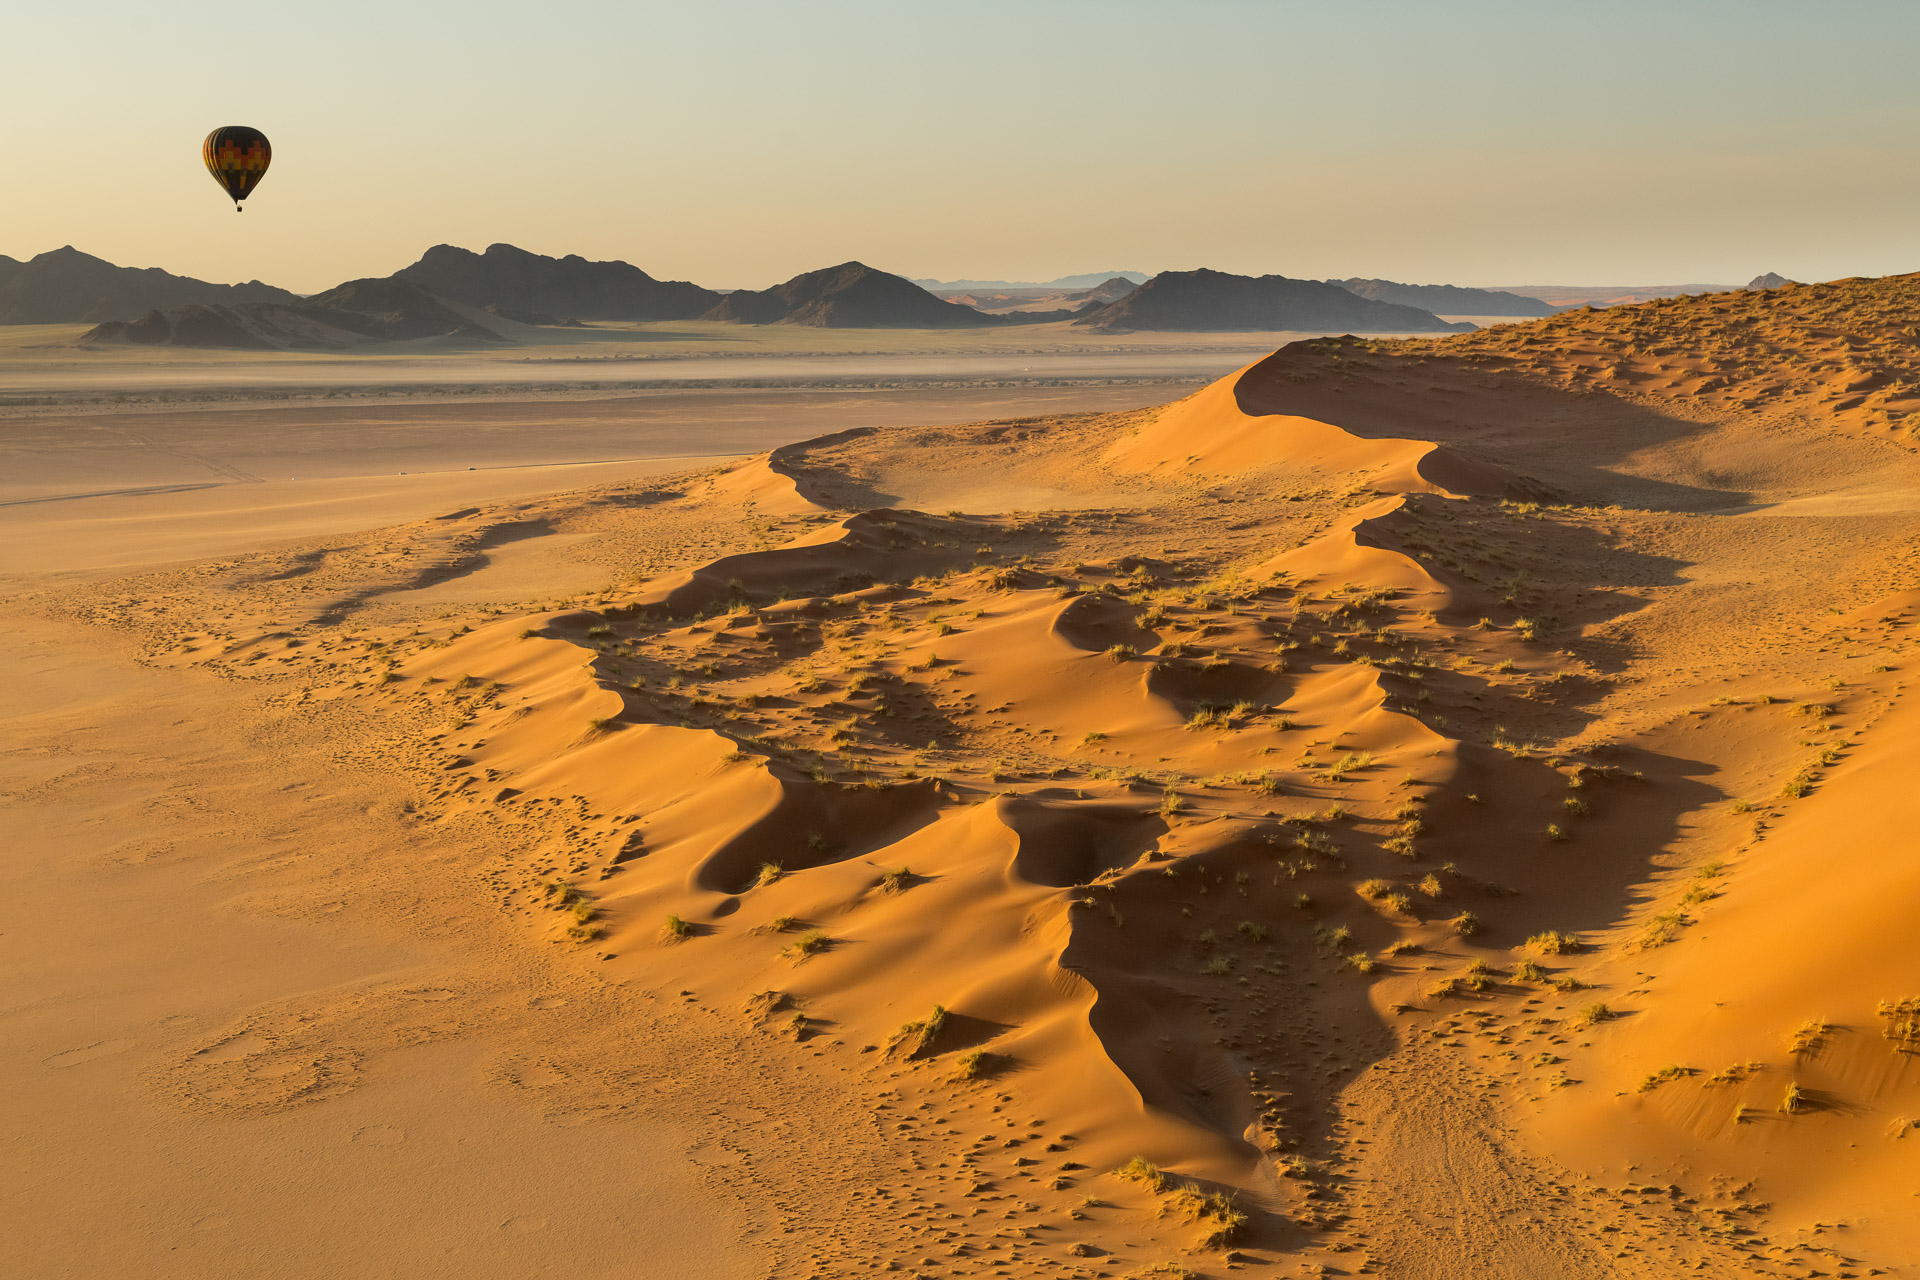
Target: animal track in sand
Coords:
[[87, 1053]]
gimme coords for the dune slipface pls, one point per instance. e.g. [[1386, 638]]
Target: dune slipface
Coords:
[[1437, 811]]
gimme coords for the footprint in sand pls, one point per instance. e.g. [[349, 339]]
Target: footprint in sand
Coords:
[[87, 1053], [379, 1135]]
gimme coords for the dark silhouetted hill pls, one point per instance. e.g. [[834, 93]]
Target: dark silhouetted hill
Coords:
[[356, 313], [1213, 300], [518, 283], [1448, 299], [65, 286], [1768, 281], [849, 296]]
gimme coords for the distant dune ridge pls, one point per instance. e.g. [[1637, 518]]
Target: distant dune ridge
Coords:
[[66, 286], [849, 296], [1447, 298], [534, 289], [1204, 300]]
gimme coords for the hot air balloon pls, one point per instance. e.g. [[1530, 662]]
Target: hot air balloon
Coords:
[[237, 157]]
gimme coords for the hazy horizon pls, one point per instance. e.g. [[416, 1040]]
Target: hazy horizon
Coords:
[[737, 145]]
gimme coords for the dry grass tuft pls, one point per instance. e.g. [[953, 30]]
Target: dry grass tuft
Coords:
[[1554, 943]]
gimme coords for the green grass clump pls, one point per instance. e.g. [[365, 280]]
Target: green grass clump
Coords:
[[810, 943], [675, 929]]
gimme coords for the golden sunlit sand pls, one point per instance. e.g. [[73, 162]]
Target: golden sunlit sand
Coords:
[[1427, 808]]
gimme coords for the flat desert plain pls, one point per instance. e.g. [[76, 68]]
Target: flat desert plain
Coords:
[[1421, 808]]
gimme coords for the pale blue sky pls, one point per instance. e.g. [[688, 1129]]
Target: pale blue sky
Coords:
[[736, 144]]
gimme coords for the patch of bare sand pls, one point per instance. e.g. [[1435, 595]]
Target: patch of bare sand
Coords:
[[121, 489], [248, 1001]]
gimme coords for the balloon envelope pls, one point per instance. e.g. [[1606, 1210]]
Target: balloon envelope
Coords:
[[237, 157]]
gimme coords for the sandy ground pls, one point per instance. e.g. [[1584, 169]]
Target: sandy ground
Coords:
[[1429, 809], [115, 489], [167, 1116]]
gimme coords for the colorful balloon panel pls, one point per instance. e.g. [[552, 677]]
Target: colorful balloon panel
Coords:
[[237, 157]]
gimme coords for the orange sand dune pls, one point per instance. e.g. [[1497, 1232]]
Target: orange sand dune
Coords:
[[1426, 800]]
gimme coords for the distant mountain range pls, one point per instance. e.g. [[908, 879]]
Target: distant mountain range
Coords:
[[1205, 300], [536, 289], [849, 296], [66, 286], [352, 314], [1447, 299], [494, 296]]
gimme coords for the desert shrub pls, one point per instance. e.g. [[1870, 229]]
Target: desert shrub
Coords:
[[1902, 1018], [810, 943], [913, 1037], [1809, 1038], [1663, 1075], [972, 1064], [1209, 716], [1145, 1172]]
